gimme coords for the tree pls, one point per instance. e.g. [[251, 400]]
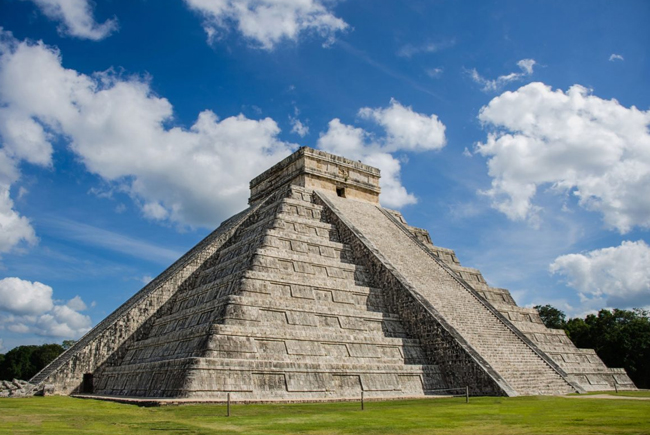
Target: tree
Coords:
[[551, 316], [17, 363], [621, 338], [23, 362], [67, 344], [44, 355]]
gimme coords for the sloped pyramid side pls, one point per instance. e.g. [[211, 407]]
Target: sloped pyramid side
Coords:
[[583, 366], [103, 342], [279, 312], [492, 342]]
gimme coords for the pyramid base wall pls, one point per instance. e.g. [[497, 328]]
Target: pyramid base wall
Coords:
[[214, 379], [610, 380]]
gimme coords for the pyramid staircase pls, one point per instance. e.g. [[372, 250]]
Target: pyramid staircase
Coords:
[[520, 367], [583, 367]]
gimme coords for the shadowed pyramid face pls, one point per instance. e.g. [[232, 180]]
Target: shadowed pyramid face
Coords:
[[319, 170]]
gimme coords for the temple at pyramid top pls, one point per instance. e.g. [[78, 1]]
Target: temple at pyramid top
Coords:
[[313, 169]]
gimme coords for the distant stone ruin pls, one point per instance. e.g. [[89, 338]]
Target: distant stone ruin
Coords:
[[316, 292], [18, 388]]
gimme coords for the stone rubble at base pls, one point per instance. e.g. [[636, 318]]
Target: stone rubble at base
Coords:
[[315, 292], [17, 388]]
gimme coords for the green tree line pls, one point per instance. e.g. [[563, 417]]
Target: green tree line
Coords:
[[23, 362], [621, 338]]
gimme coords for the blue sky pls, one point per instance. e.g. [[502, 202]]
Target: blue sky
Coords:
[[516, 132]]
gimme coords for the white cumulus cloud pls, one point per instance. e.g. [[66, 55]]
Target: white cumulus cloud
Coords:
[[573, 142], [62, 321], [355, 144], [77, 304], [614, 57], [22, 139], [405, 130], [525, 65], [119, 129], [24, 297], [618, 276], [298, 127], [14, 228], [268, 22], [76, 18], [28, 307]]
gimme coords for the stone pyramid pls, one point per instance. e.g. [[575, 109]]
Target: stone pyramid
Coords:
[[316, 292]]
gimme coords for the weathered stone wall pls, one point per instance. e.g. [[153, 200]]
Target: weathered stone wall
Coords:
[[314, 169], [157, 360], [66, 372]]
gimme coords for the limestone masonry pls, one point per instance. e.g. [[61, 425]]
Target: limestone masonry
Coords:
[[316, 292]]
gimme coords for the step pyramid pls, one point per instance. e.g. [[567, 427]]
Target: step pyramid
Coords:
[[316, 292]]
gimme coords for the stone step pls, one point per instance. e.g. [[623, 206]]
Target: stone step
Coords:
[[354, 298], [307, 249], [306, 325], [308, 303], [530, 327], [289, 352], [277, 269], [222, 269], [357, 339], [207, 291], [327, 257], [282, 234], [307, 210], [267, 331], [328, 283], [311, 307], [283, 220], [584, 368], [303, 203], [262, 365]]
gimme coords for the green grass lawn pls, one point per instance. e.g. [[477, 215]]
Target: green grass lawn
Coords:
[[641, 393], [486, 415]]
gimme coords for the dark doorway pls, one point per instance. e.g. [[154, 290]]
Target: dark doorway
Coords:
[[87, 386], [340, 191]]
